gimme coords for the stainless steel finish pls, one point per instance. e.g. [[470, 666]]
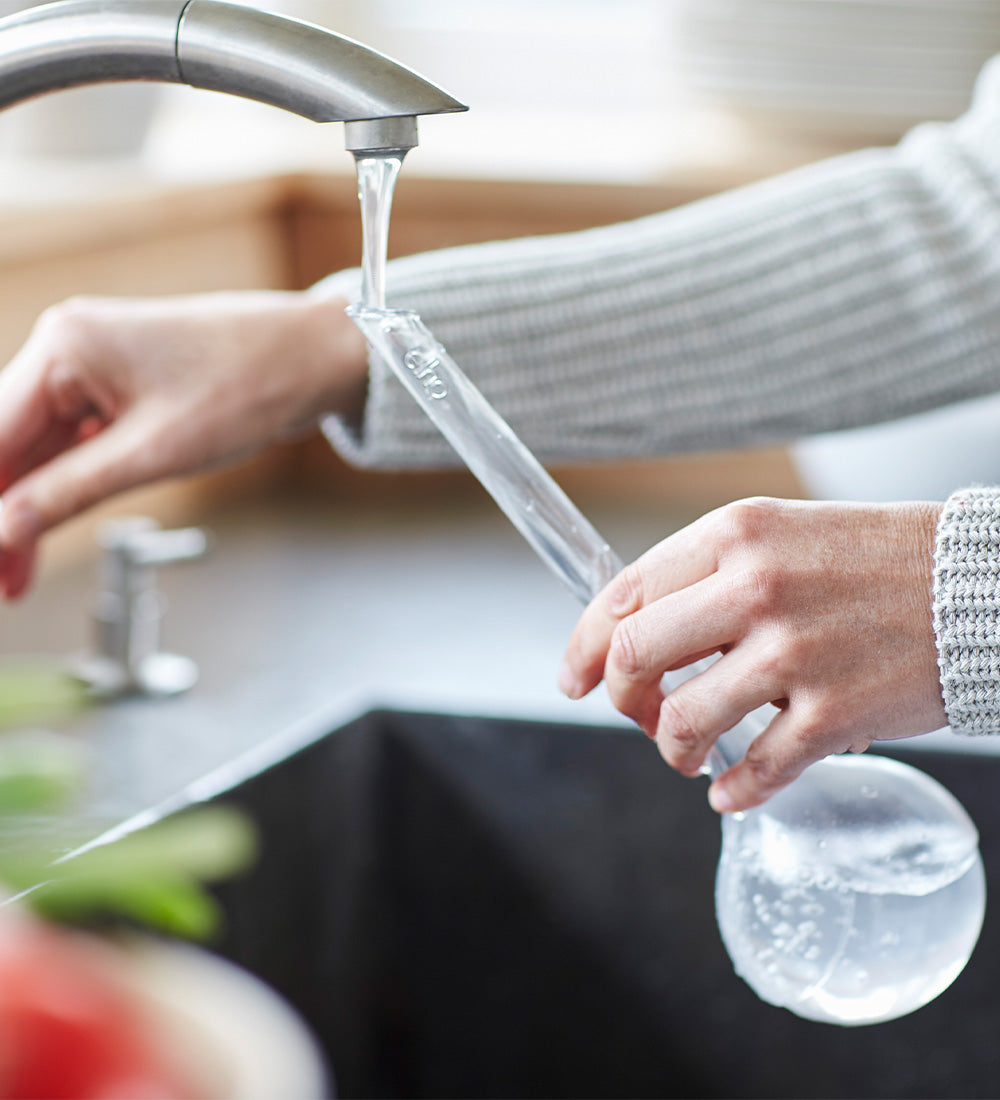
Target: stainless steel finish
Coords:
[[220, 46], [298, 66], [127, 658], [85, 42], [380, 136]]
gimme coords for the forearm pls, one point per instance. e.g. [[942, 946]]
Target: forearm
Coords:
[[860, 289]]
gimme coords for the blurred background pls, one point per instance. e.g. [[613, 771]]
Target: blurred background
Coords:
[[330, 599]]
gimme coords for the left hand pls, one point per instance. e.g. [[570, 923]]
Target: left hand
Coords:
[[822, 609], [111, 393]]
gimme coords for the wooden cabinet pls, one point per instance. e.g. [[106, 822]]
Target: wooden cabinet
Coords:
[[153, 242]]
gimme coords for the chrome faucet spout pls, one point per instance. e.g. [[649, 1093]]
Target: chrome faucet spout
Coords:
[[223, 47]]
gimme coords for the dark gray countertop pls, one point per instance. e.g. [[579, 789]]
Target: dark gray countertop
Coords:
[[305, 614]]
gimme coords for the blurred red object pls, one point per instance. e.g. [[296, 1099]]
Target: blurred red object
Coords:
[[70, 1028]]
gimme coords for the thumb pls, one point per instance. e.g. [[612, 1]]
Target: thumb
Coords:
[[115, 459]]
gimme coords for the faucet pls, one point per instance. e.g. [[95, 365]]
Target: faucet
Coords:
[[126, 658], [223, 47]]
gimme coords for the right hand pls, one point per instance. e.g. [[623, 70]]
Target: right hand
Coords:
[[820, 607], [108, 394]]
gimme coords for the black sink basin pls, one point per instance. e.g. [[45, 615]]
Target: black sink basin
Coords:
[[471, 907]]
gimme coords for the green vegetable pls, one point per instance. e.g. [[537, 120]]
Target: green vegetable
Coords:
[[154, 876], [38, 772], [36, 693]]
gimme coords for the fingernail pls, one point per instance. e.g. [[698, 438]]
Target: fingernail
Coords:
[[568, 683], [719, 799], [18, 523]]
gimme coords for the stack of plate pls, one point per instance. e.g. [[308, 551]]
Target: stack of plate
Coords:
[[869, 67]]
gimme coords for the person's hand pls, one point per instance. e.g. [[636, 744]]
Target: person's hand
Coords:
[[823, 609], [108, 394]]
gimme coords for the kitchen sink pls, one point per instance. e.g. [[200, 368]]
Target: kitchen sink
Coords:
[[463, 906]]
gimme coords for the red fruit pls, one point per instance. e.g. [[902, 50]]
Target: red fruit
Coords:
[[69, 1027]]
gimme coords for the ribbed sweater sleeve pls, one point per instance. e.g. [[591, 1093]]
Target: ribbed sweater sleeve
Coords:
[[859, 289], [863, 288]]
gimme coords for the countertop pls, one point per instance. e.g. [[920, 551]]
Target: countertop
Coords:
[[308, 612]]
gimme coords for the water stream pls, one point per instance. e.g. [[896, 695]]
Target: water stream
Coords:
[[376, 183]]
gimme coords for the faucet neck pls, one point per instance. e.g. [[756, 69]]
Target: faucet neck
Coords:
[[222, 47]]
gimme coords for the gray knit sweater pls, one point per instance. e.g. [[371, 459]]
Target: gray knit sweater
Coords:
[[860, 289]]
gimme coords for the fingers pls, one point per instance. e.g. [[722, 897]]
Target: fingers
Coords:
[[113, 460], [16, 569], [670, 632], [774, 758], [54, 441], [672, 565], [45, 398], [695, 714], [24, 417]]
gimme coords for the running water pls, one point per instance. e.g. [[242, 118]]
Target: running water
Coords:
[[854, 896], [376, 183]]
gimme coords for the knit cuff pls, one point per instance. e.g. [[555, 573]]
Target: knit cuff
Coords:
[[967, 609]]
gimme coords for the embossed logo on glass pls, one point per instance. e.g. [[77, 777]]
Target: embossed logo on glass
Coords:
[[424, 364]]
